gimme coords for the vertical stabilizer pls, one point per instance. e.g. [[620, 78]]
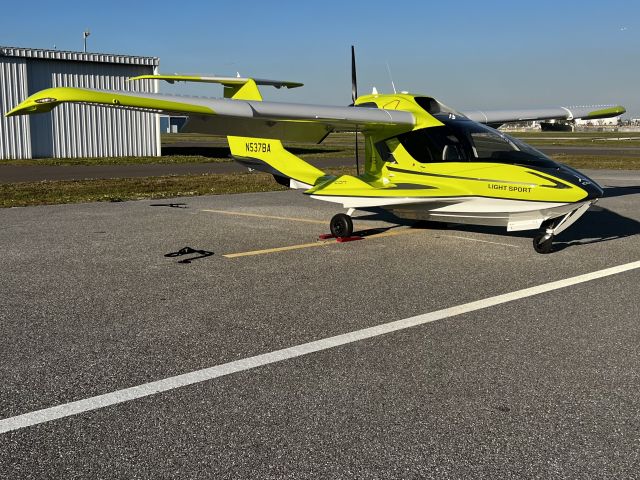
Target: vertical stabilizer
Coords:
[[243, 91]]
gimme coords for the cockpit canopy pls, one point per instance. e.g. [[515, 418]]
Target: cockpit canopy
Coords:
[[462, 140]]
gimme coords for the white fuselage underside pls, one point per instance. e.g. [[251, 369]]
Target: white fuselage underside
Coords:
[[513, 214]]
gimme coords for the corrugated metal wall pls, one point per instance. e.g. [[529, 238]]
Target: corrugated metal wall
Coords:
[[71, 131], [75, 130], [14, 131]]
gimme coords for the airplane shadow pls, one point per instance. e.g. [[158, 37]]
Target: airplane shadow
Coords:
[[610, 192], [597, 225], [170, 205], [374, 231]]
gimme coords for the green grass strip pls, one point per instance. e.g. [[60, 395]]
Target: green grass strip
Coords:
[[121, 189]]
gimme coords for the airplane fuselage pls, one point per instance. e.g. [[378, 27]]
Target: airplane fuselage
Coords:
[[463, 172]]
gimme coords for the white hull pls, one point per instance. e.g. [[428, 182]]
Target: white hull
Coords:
[[513, 214]]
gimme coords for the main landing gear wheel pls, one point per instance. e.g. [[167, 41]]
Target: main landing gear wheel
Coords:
[[341, 225], [543, 242]]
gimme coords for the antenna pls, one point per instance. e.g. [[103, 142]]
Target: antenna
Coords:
[[392, 84], [85, 34]]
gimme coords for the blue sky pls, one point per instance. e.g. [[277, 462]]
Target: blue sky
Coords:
[[468, 54]]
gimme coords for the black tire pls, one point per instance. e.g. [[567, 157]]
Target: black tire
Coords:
[[341, 225], [542, 244]]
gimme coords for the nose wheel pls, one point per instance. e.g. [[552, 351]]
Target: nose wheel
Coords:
[[341, 225], [543, 242]]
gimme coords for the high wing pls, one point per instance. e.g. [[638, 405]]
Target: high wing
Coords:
[[243, 113], [551, 113], [236, 117]]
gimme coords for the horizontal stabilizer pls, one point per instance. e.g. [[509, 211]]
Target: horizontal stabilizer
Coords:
[[221, 80]]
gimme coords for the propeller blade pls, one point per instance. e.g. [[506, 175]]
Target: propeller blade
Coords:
[[354, 96], [354, 81]]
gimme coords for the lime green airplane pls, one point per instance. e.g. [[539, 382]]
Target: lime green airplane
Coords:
[[423, 160]]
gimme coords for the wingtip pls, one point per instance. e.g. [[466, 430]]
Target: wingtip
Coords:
[[139, 77], [26, 107]]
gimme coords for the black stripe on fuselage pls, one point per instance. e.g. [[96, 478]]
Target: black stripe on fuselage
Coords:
[[439, 175]]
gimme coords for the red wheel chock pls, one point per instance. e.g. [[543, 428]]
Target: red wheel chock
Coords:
[[326, 236]]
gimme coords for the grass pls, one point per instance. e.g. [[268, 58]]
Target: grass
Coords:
[[582, 143], [121, 189], [581, 139], [594, 162], [578, 134]]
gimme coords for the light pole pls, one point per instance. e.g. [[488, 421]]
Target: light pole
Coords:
[[85, 34]]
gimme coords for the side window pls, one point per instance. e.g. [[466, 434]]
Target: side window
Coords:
[[452, 150], [488, 144], [435, 144]]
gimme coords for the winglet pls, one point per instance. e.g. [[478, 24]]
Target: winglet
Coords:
[[42, 102], [45, 100]]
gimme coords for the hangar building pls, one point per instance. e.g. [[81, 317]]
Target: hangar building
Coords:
[[70, 130]]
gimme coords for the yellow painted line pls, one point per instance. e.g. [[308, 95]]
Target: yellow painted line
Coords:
[[278, 249], [324, 243], [316, 244], [245, 214]]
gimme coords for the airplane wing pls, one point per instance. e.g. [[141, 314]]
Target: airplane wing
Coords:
[[243, 113], [236, 117], [552, 113]]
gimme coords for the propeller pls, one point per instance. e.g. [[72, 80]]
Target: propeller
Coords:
[[354, 81], [354, 96]]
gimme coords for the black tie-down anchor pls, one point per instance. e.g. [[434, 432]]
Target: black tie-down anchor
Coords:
[[189, 251]]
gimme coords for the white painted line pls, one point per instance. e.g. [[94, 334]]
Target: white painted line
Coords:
[[481, 241], [147, 389]]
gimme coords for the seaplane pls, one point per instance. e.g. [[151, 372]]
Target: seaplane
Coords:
[[423, 159]]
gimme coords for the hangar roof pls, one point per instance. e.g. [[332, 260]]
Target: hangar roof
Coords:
[[39, 53]]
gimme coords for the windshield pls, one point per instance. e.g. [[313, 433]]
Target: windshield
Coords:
[[461, 139]]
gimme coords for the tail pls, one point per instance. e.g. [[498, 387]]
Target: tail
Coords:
[[268, 155]]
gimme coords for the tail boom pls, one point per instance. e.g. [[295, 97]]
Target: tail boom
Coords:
[[269, 155]]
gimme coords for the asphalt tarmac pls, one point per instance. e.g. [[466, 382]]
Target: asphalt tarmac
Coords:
[[536, 386]]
